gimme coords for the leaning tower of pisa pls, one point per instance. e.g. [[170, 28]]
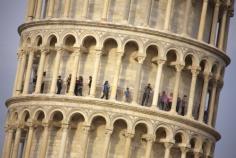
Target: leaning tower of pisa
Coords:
[[163, 60]]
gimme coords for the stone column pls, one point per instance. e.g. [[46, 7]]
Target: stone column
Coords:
[[85, 9], [50, 8], [19, 58], [44, 141], [76, 56], [39, 9], [28, 72], [214, 22], [16, 143], [21, 74], [31, 7], [158, 82], [168, 14], [195, 72], [86, 130], [29, 141], [212, 103], [150, 140], [95, 73], [56, 70], [178, 68], [140, 60], [40, 71], [67, 8], [220, 85], [7, 143], [168, 146], [184, 151], [63, 140], [203, 97], [186, 17], [108, 133], [127, 146], [116, 75], [105, 9], [223, 29], [203, 20]]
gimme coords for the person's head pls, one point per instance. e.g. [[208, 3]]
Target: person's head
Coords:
[[69, 75], [80, 78], [59, 77], [106, 82], [149, 85], [44, 73], [163, 92], [171, 94], [127, 88], [185, 97], [90, 77]]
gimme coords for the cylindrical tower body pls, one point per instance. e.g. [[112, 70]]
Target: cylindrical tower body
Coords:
[[118, 78]]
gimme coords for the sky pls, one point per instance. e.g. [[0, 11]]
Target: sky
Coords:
[[12, 13]]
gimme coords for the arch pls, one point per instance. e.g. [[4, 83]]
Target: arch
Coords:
[[176, 50], [75, 113], [180, 134], [136, 41], [14, 116], [215, 68], [168, 130], [193, 57], [125, 119], [38, 41], [69, 40], [25, 116], [106, 37], [103, 115], [85, 36], [153, 43], [204, 65], [53, 112], [52, 39], [144, 122]]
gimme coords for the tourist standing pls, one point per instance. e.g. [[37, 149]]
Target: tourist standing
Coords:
[[146, 94], [106, 89]]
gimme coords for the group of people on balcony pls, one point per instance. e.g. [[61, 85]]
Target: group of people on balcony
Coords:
[[164, 101]]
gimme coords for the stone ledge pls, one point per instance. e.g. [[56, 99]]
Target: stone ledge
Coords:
[[114, 105]]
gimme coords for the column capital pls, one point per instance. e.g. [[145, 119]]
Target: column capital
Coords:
[[179, 67], [195, 71], [184, 149], [60, 49], [44, 49], [140, 59], [65, 126], [86, 128], [128, 135], [150, 138], [168, 145], [205, 1], [77, 50], [161, 61], [108, 131]]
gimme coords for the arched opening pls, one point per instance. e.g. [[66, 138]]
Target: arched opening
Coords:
[[87, 57], [158, 149], [96, 137], [55, 134], [49, 64], [175, 150], [190, 153], [149, 70], [128, 68], [75, 136], [66, 62], [118, 139], [38, 133], [138, 144], [36, 59], [107, 66], [168, 81]]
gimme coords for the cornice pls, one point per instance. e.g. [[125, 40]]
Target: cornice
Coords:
[[149, 31], [113, 105]]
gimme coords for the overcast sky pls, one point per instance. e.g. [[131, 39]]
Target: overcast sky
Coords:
[[12, 14]]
